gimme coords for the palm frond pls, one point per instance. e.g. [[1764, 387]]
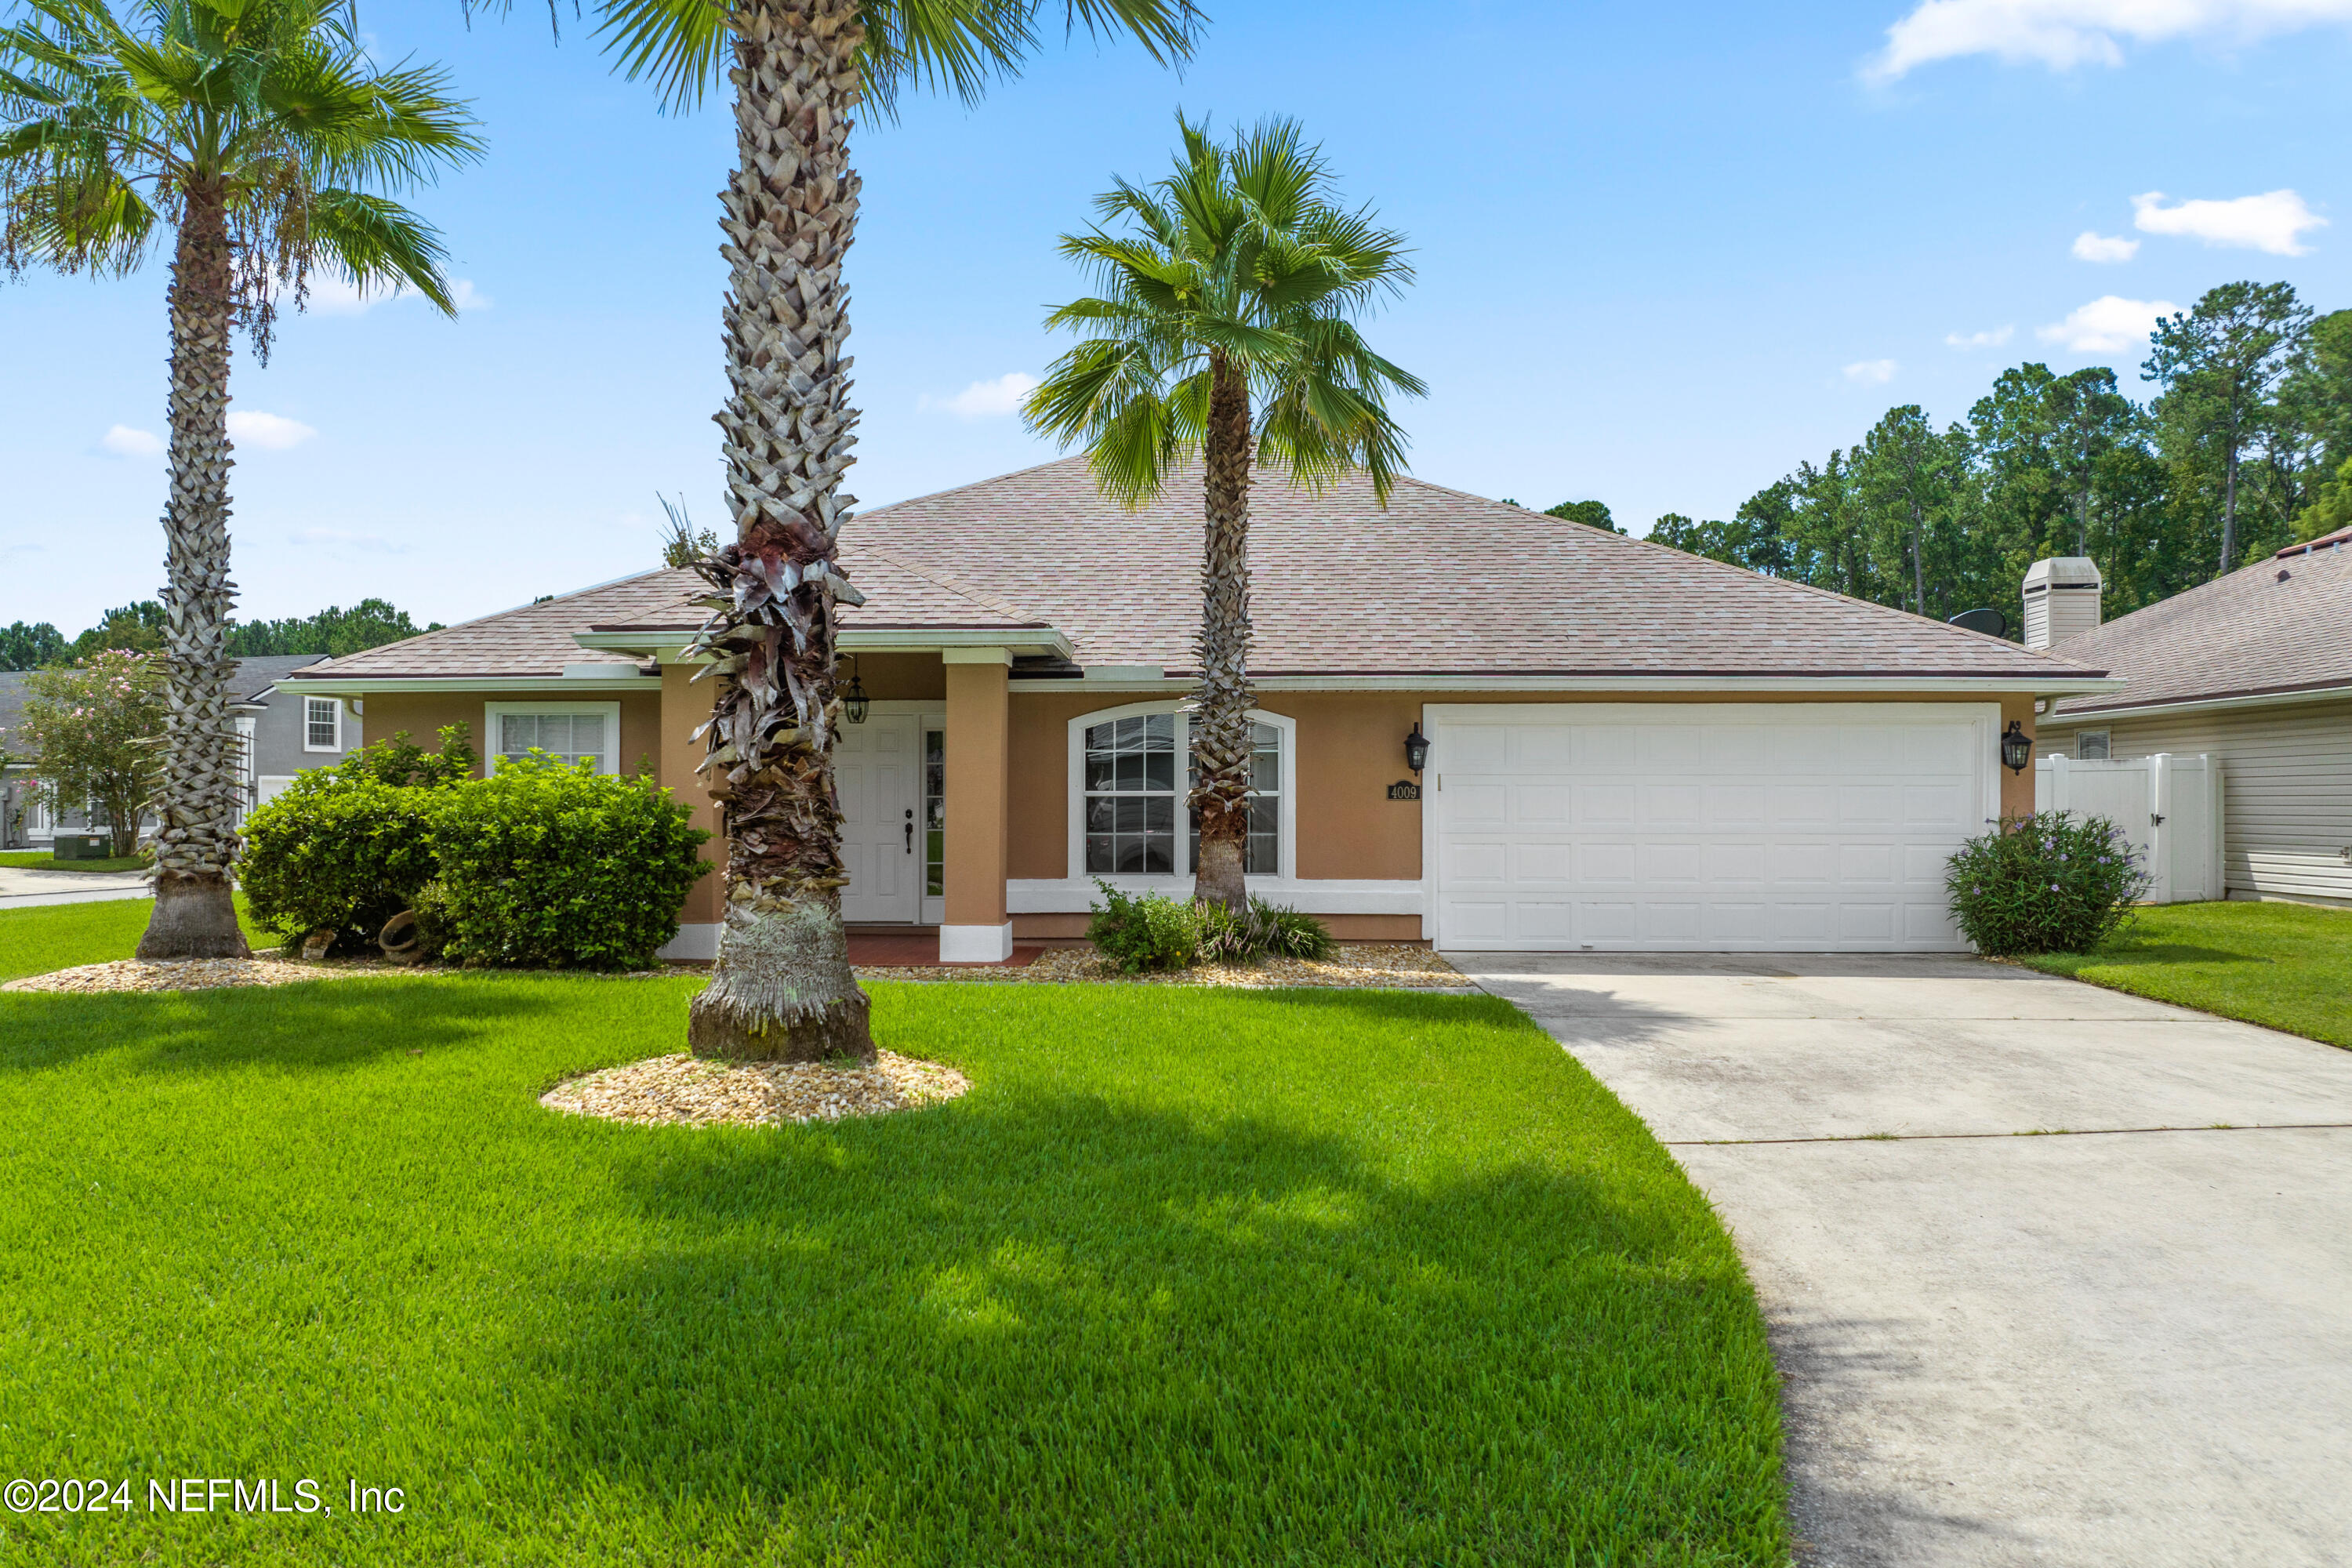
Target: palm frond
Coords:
[[375, 243]]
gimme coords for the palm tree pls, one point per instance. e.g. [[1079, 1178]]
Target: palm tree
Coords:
[[251, 131], [782, 988], [1232, 297]]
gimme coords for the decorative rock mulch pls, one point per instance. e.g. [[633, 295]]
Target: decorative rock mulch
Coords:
[[683, 1090], [194, 974], [1362, 966]]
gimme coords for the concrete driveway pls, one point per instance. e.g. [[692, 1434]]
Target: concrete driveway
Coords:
[[2128, 1342]]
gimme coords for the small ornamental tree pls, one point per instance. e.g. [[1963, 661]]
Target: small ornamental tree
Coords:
[[91, 729], [2052, 883]]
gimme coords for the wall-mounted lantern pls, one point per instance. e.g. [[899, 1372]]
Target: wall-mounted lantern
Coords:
[[2016, 747], [1416, 749], [853, 703]]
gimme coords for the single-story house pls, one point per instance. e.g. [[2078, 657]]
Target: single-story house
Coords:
[[1628, 747], [282, 734], [2254, 667]]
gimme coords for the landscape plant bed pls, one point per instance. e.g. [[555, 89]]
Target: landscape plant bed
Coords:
[[1352, 965], [682, 1091], [1191, 1274], [2284, 966]]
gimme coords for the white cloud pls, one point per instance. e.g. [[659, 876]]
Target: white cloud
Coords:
[[270, 432], [1870, 372], [124, 442], [333, 295], [986, 399], [2109, 324], [2273, 221], [1991, 339], [2093, 246], [2063, 34]]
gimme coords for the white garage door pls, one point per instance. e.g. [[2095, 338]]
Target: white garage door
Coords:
[[1765, 826]]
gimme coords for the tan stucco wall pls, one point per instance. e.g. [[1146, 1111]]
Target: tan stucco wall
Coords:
[[1350, 749], [685, 704], [422, 714]]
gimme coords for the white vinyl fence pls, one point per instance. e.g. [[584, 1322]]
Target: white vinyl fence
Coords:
[[2168, 806]]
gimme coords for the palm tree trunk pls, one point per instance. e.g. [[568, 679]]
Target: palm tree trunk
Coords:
[[202, 775], [1220, 706], [782, 989]]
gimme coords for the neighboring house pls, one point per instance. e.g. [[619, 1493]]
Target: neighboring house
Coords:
[[2255, 668], [287, 732], [283, 734], [1631, 747]]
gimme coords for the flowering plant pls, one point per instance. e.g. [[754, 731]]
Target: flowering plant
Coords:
[[91, 730], [2052, 883]]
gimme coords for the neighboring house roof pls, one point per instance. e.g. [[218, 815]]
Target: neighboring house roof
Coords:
[[1439, 582], [254, 677], [2278, 629]]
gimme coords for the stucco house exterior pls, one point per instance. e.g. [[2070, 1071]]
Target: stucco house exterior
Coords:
[[2255, 668], [1631, 747]]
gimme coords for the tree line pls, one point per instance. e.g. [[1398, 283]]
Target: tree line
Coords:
[[2247, 446], [138, 627]]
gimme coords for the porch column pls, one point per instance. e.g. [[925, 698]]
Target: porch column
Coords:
[[977, 930]]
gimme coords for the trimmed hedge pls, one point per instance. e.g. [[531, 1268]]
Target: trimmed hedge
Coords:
[[543, 863], [2052, 883], [550, 864]]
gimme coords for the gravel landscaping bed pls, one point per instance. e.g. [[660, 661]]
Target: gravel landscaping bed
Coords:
[[688, 1091], [192, 974], [1379, 965]]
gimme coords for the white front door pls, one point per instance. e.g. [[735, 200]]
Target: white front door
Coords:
[[1753, 826], [876, 767]]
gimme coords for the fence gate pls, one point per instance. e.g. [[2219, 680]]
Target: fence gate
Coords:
[[2168, 806]]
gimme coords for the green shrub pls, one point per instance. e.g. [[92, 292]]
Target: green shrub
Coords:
[[339, 851], [1151, 931], [548, 863], [1267, 931], [2052, 883], [344, 848]]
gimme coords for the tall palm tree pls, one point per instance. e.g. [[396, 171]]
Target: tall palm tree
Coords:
[[259, 135], [783, 988], [1224, 331]]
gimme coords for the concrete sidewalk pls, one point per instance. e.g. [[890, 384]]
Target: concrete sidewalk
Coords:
[[2127, 1341], [21, 889]]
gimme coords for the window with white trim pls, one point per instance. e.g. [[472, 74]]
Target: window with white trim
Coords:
[[1131, 773], [2090, 745], [322, 724], [1262, 854], [569, 737], [1131, 795]]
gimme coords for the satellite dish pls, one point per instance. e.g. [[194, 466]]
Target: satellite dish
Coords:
[[1991, 622]]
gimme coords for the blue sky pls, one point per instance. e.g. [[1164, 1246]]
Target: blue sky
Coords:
[[1665, 254]]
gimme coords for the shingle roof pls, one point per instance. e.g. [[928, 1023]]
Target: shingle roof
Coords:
[[2280, 625], [255, 676], [1438, 582]]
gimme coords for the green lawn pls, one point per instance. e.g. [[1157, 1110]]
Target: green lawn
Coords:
[[43, 860], [1190, 1277], [57, 936], [2285, 965]]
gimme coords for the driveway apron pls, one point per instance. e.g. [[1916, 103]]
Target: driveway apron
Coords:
[[2054, 1274]]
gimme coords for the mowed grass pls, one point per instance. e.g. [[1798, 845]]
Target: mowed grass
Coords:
[[44, 860], [59, 936], [1189, 1278], [2288, 966]]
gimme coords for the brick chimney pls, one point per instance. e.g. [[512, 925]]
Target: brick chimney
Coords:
[[2061, 599]]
